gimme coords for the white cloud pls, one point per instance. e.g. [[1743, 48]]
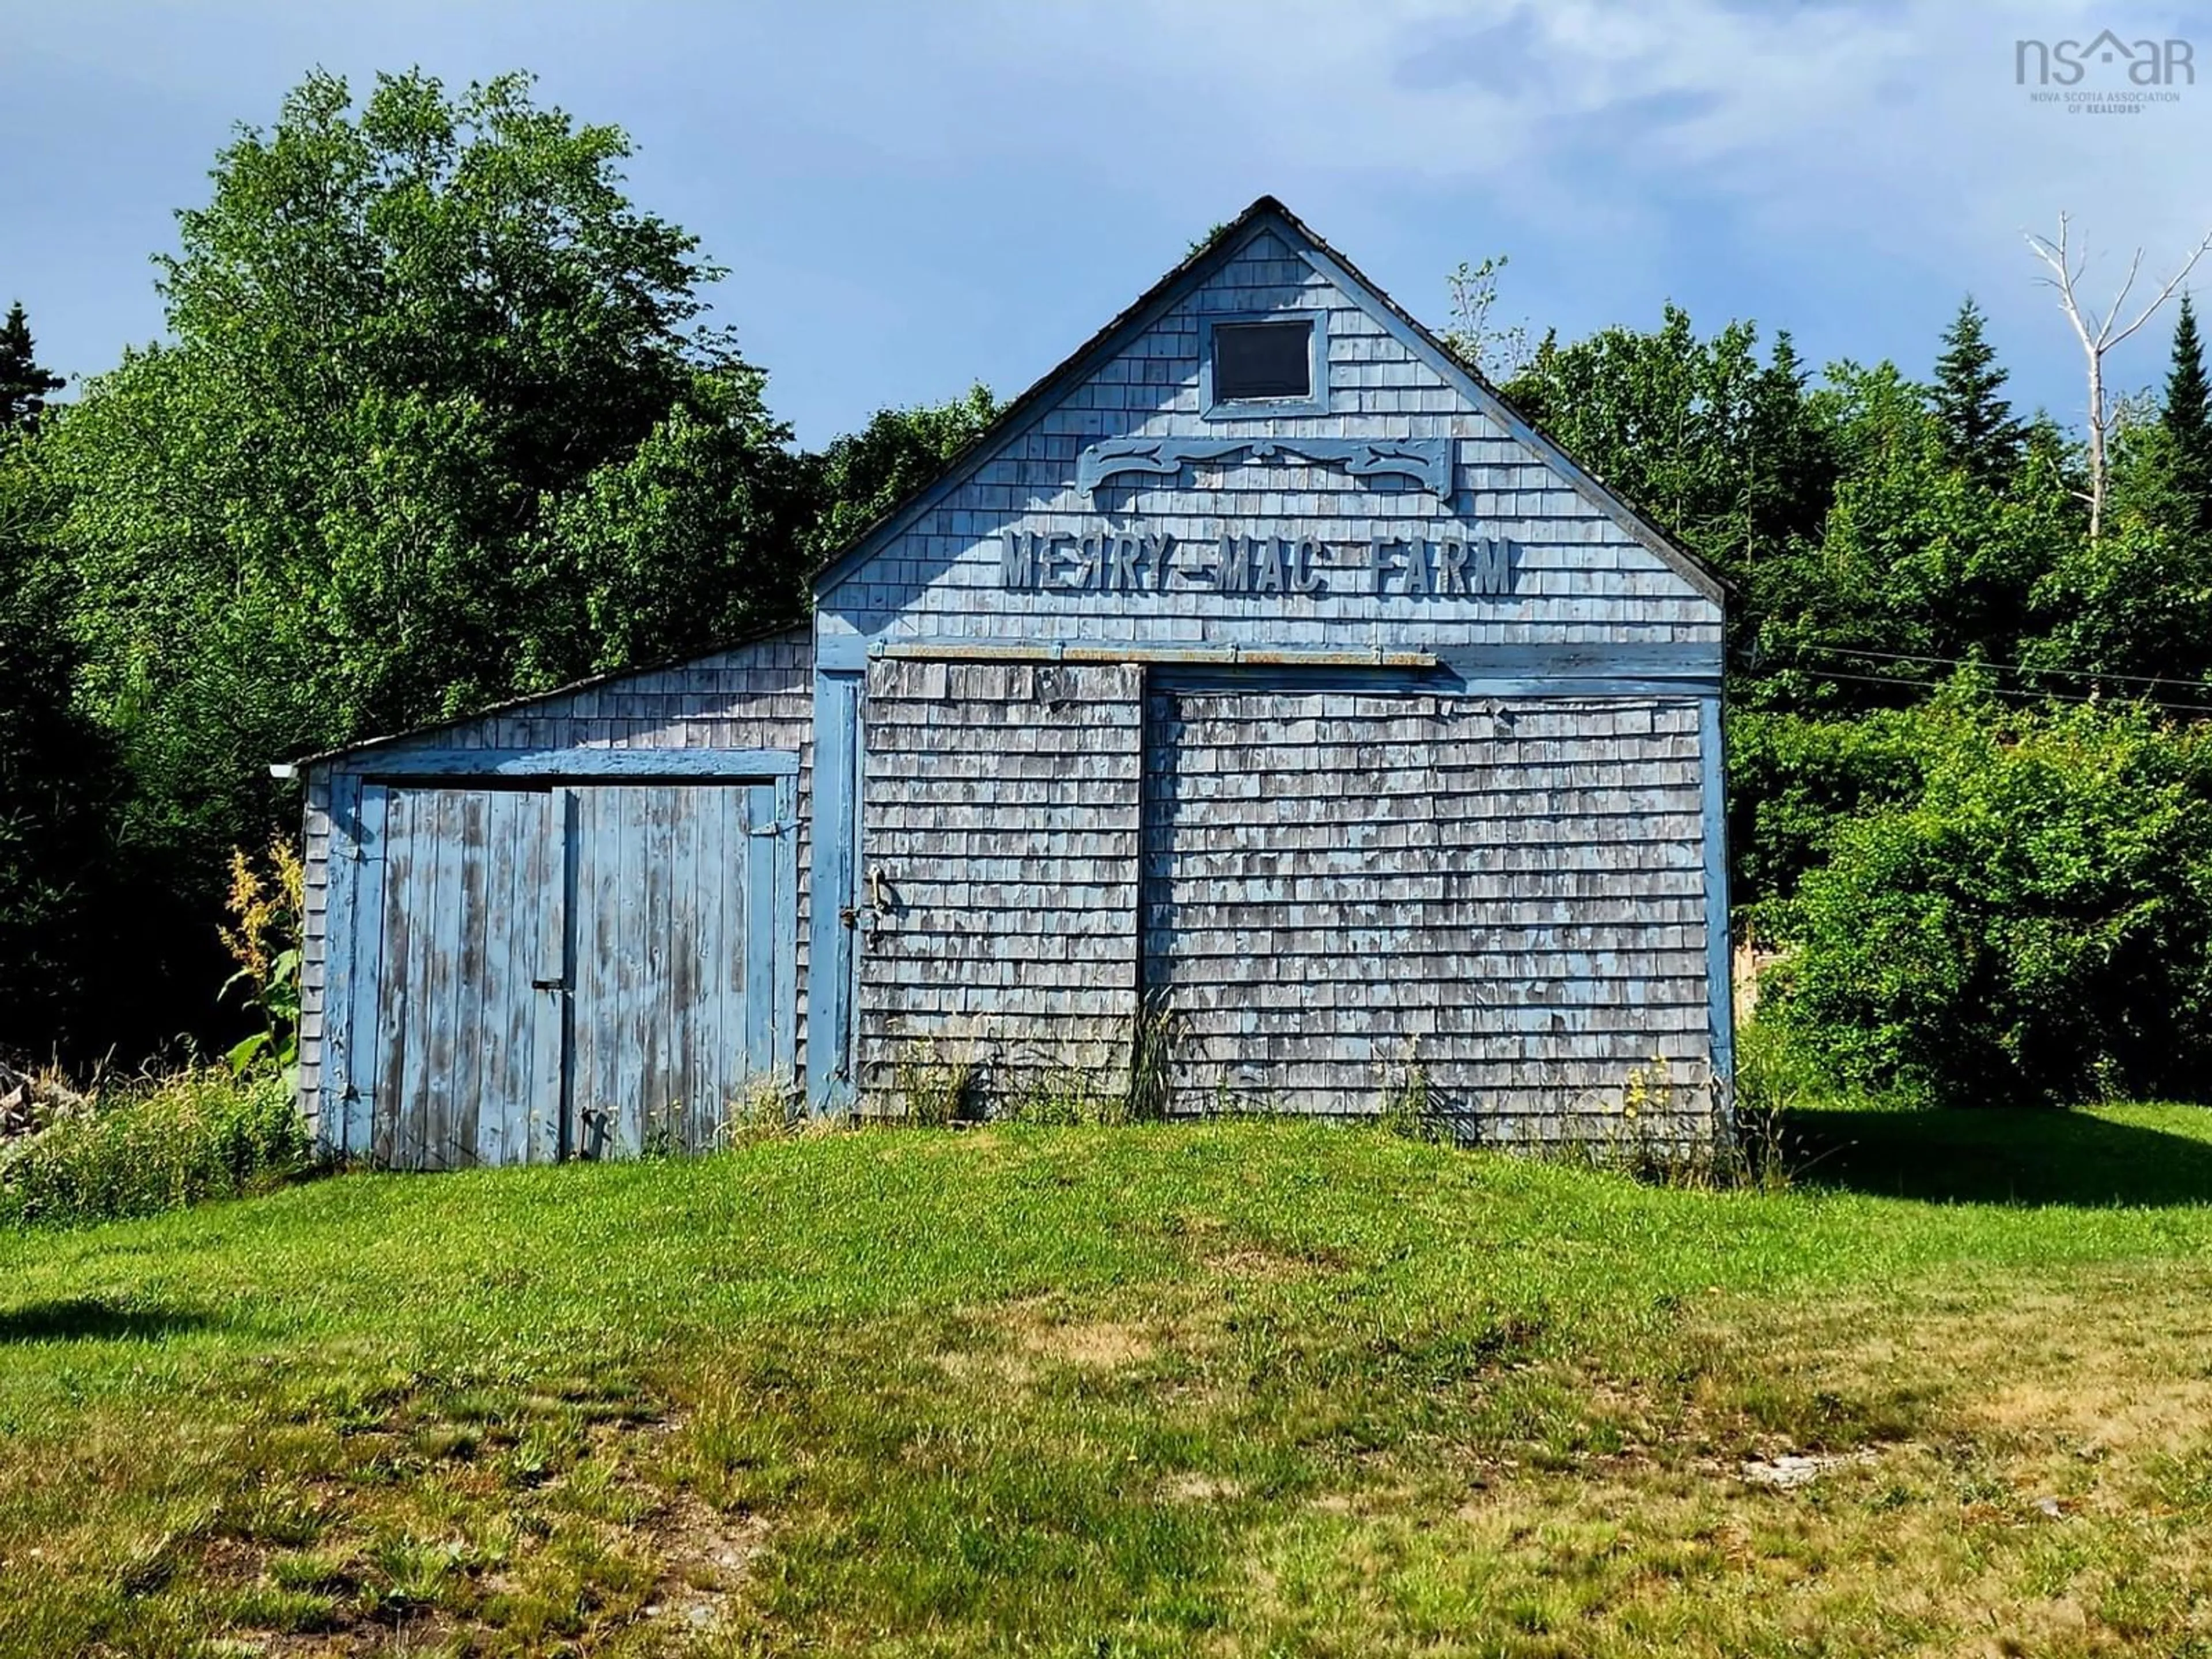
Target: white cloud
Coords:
[[1879, 136], [1896, 121], [1850, 153]]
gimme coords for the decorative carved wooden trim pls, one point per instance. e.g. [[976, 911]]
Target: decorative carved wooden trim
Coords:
[[1427, 461]]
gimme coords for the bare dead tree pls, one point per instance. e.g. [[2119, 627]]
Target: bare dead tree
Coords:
[[2098, 335]]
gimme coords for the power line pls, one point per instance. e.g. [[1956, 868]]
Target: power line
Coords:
[[2022, 695], [2017, 667]]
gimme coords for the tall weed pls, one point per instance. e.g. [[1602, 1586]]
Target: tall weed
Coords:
[[266, 905], [135, 1151]]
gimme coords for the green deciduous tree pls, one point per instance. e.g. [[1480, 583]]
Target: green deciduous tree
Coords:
[[437, 425], [2033, 925], [669, 548], [864, 475], [1794, 779], [1917, 562], [1723, 451], [2135, 604]]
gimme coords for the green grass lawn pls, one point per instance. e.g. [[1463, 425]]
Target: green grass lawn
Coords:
[[1242, 1387]]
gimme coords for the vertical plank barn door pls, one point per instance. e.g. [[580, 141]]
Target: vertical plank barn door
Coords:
[[465, 1028], [590, 970], [681, 964]]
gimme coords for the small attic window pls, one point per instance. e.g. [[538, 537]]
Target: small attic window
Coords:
[[1264, 366], [1262, 360]]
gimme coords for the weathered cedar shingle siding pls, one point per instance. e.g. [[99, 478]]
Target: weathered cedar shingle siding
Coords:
[[1001, 808], [315, 936], [1339, 887], [1509, 884]]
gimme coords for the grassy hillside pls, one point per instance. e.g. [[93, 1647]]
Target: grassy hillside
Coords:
[[1246, 1388]]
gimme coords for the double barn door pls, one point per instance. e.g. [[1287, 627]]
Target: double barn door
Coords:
[[589, 970]]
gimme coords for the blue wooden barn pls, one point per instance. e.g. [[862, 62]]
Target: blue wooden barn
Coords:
[[1261, 712]]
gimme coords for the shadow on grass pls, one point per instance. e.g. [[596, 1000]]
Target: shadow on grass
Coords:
[[1997, 1156], [84, 1320]]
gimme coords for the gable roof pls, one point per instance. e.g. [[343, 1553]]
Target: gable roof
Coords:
[[1265, 214]]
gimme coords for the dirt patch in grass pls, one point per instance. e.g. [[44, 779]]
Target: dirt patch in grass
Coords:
[[2123, 1369], [1266, 1265], [706, 1556], [1226, 1249], [1193, 1487], [1787, 1471], [1090, 1344], [1016, 1343]]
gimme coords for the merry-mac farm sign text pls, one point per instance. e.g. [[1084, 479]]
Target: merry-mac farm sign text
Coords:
[[1136, 562]]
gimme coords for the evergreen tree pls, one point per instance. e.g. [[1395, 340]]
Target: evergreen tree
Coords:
[[2187, 416], [23, 383], [1980, 433], [55, 784]]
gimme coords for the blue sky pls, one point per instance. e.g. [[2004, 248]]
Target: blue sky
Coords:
[[913, 197]]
